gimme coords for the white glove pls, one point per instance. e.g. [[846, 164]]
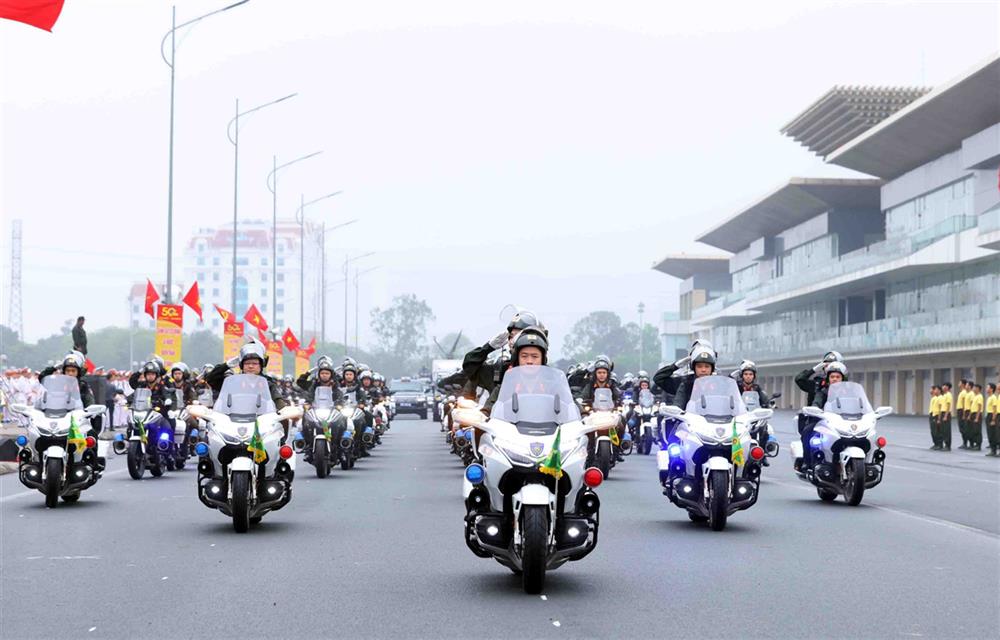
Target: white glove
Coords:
[[683, 362], [233, 362], [819, 368], [499, 339]]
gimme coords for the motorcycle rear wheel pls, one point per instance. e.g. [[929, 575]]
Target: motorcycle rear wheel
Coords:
[[855, 489], [136, 460], [53, 481], [321, 459], [535, 542], [241, 501], [603, 458], [718, 501]]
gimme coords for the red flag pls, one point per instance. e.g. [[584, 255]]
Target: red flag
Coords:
[[193, 300], [227, 316], [311, 349], [88, 365], [38, 13], [255, 319], [291, 342], [263, 338], [151, 295]]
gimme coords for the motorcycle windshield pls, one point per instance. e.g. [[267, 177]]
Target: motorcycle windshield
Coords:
[[536, 399], [245, 396], [848, 400], [645, 398], [323, 398], [60, 394], [142, 400], [716, 398], [751, 399], [350, 399], [205, 398]]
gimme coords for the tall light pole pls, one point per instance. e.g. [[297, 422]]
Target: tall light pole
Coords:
[[300, 217], [272, 185], [357, 307], [233, 133], [347, 265], [170, 164], [642, 309]]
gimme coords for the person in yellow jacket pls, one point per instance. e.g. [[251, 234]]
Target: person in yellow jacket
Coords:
[[974, 421], [934, 415], [993, 419], [944, 417], [961, 412]]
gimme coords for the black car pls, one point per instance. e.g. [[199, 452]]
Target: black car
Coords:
[[410, 396]]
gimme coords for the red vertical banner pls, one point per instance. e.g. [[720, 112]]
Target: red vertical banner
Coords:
[[301, 362], [275, 362], [169, 324], [232, 339]]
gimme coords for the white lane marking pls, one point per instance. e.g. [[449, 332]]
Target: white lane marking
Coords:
[[65, 557], [163, 578], [544, 597], [909, 514], [950, 476], [91, 630], [556, 623], [31, 492]]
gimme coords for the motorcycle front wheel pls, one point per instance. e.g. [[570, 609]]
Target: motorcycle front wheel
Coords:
[[603, 457], [855, 489], [241, 501], [136, 460], [321, 459], [535, 538], [53, 481], [718, 500]]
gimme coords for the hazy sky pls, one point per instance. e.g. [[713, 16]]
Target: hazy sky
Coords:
[[536, 153]]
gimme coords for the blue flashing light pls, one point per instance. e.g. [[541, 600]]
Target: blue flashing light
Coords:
[[21, 441], [299, 436], [194, 433], [816, 441], [475, 473], [628, 436], [119, 437], [369, 430], [201, 449], [674, 450], [164, 436]]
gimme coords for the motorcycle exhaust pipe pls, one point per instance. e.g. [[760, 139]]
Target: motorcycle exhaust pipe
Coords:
[[771, 449], [120, 447], [346, 443], [299, 444], [163, 445]]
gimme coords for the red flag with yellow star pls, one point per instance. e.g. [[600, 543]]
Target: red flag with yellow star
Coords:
[[291, 342], [38, 13], [255, 319]]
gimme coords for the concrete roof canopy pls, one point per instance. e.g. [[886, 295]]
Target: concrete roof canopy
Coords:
[[684, 265], [790, 204], [929, 127]]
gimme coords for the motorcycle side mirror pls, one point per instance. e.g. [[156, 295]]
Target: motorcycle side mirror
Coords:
[[815, 412], [18, 407], [882, 412], [761, 413], [671, 411], [775, 396], [95, 410]]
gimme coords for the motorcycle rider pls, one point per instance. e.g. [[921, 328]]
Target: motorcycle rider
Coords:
[[747, 381], [72, 366], [180, 380], [251, 361], [702, 360], [601, 379], [812, 381], [349, 384], [835, 372], [322, 376], [669, 377], [489, 375]]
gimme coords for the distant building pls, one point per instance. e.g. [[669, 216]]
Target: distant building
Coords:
[[208, 258], [900, 272]]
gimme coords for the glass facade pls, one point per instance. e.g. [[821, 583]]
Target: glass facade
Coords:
[[931, 210]]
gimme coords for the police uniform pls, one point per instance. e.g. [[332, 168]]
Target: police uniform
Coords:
[[944, 424], [935, 414], [960, 412], [974, 423], [993, 421]]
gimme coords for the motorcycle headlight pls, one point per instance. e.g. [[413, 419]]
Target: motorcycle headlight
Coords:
[[516, 457], [230, 439]]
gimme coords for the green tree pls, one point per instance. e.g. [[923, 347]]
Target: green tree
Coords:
[[599, 332], [458, 344], [401, 329]]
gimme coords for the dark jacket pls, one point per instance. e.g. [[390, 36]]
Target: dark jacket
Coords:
[[812, 383], [684, 389], [188, 389], [764, 400], [86, 395], [453, 383], [485, 375], [218, 374], [587, 393], [665, 380], [101, 388], [360, 396], [79, 339]]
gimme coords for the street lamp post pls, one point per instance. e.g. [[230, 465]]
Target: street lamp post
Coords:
[[233, 133], [347, 264], [170, 164], [272, 185], [300, 217], [642, 309]]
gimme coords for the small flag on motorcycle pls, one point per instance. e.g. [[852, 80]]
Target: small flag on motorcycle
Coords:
[[75, 437], [553, 464], [737, 453], [256, 446]]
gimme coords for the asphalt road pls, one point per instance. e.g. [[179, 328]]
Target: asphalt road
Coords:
[[378, 552]]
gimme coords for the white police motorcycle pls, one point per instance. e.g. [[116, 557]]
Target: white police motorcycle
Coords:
[[647, 432], [710, 466], [243, 470], [57, 457], [326, 436], [530, 503], [846, 455]]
